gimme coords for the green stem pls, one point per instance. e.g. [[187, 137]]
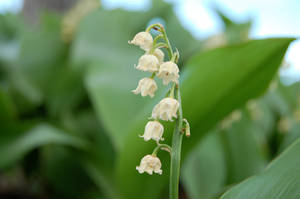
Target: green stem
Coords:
[[153, 75], [154, 26], [160, 36], [159, 146], [164, 34], [176, 151], [177, 135], [159, 45], [170, 51], [172, 91]]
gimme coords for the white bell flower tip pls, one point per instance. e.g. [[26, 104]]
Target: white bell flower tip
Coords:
[[143, 94], [143, 39], [153, 130], [166, 109], [150, 164], [168, 71], [146, 138], [148, 63], [153, 138], [146, 86], [140, 170], [167, 77], [158, 171], [169, 66]]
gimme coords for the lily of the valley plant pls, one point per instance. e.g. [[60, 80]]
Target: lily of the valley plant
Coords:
[[168, 109]]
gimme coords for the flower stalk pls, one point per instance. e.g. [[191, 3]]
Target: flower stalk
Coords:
[[167, 109], [176, 151]]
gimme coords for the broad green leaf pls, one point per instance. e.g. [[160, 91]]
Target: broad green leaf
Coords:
[[213, 84], [243, 150], [97, 160], [62, 168], [204, 170], [85, 124], [66, 92], [218, 81], [7, 107], [43, 74], [42, 55], [281, 179], [15, 145]]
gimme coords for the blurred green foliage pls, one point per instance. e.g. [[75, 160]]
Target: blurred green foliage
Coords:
[[70, 125]]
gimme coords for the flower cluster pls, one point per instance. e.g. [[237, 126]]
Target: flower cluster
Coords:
[[153, 61]]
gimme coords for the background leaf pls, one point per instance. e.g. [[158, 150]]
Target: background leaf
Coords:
[[279, 180], [14, 146], [243, 151], [204, 170]]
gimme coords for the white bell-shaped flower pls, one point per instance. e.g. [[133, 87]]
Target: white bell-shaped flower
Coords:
[[159, 54], [143, 39], [146, 86], [168, 71], [150, 164], [148, 63], [166, 109], [153, 130]]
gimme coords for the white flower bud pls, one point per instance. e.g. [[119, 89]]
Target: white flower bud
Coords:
[[186, 128], [168, 71], [150, 164], [143, 39], [159, 54], [146, 86], [148, 63], [153, 130], [166, 109]]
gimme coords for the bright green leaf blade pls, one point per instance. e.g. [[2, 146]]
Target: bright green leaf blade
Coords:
[[218, 81], [13, 147], [280, 180]]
